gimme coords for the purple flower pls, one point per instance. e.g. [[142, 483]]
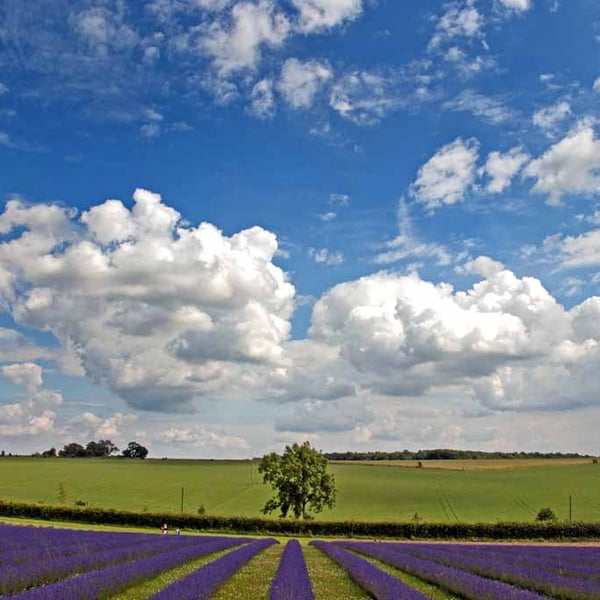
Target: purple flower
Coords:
[[292, 581], [455, 580], [375, 581], [203, 582], [112, 579]]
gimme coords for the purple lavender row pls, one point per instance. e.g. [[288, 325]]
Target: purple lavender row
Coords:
[[454, 580], [375, 581], [16, 537], [58, 548], [21, 576], [574, 566], [115, 578], [292, 581], [543, 554], [531, 577], [206, 580]]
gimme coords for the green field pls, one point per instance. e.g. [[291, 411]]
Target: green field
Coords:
[[365, 492]]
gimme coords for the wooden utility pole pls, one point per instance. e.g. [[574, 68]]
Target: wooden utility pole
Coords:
[[570, 508]]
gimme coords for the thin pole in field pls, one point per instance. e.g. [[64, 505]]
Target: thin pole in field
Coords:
[[182, 500], [570, 509]]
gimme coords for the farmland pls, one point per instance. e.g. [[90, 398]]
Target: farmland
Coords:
[[54, 564], [366, 492]]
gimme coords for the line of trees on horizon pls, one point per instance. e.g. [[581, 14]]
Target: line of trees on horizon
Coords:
[[95, 449], [446, 454]]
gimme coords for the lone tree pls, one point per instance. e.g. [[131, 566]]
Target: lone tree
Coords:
[[300, 480], [135, 450]]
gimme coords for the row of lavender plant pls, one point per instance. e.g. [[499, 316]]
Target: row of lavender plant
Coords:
[[20, 576], [375, 581], [572, 564], [525, 575], [544, 555], [115, 578], [292, 581], [206, 580], [57, 548], [454, 580], [15, 537]]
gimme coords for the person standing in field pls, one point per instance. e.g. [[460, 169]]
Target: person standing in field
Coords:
[[164, 529]]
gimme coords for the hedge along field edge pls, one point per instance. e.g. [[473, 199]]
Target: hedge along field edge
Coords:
[[288, 527]]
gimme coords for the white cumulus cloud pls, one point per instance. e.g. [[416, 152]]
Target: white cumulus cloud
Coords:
[[300, 82], [568, 167], [236, 43], [160, 311], [448, 175], [317, 15], [501, 168]]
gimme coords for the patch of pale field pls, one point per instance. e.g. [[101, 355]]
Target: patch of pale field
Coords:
[[491, 464]]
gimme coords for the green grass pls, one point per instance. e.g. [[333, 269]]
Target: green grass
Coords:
[[365, 492], [254, 579], [152, 586], [328, 579]]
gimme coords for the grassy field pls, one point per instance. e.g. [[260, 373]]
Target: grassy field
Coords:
[[366, 492]]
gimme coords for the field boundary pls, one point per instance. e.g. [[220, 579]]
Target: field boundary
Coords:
[[350, 529]]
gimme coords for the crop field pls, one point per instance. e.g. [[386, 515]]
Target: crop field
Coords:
[[60, 564], [365, 492]]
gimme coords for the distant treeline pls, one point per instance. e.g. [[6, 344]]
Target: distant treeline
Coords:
[[447, 454]]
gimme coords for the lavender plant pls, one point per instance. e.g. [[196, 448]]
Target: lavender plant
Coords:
[[292, 581], [455, 580], [109, 580], [203, 582], [575, 583], [375, 581]]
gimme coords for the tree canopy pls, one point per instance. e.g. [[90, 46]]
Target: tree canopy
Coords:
[[135, 450], [299, 479]]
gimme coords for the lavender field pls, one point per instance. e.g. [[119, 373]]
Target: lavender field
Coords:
[[49, 563]]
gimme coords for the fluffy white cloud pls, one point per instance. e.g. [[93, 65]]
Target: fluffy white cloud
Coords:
[[325, 256], [467, 67], [448, 175], [502, 167], [482, 265], [316, 15], [27, 375], [364, 97], [568, 167], [160, 311], [104, 30], [90, 426], [596, 85], [314, 416], [262, 99], [235, 44], [203, 437], [459, 20], [300, 82], [33, 415], [550, 117], [403, 335], [573, 252], [518, 6], [328, 216], [506, 342]]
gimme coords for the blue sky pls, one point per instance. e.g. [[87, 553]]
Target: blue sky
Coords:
[[233, 224]]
